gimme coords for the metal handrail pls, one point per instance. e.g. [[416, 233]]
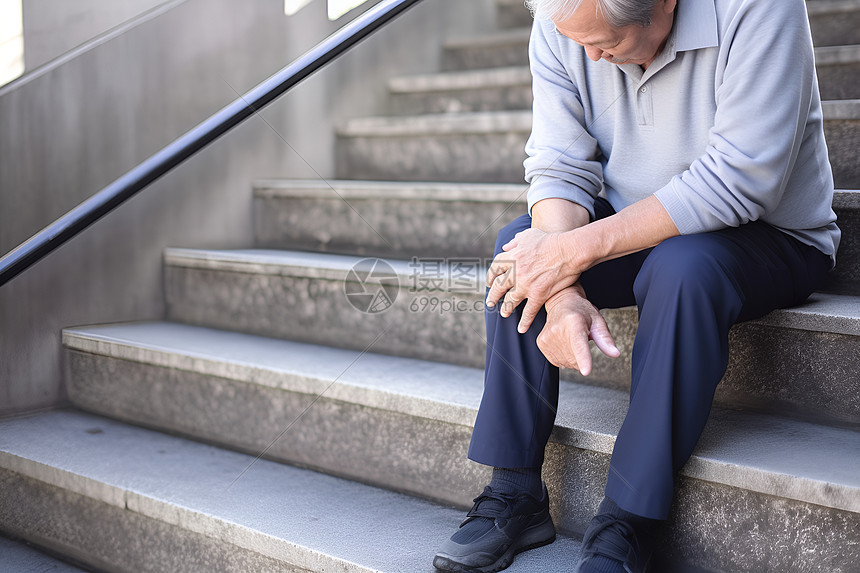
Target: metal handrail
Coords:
[[91, 210]]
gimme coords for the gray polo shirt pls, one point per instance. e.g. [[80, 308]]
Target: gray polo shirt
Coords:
[[725, 126]]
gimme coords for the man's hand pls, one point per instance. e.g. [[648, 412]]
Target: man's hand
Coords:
[[534, 266], [571, 322]]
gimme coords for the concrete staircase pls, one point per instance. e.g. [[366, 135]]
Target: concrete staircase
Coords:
[[268, 425]]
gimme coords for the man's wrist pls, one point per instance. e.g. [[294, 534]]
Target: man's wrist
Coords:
[[580, 250], [573, 290]]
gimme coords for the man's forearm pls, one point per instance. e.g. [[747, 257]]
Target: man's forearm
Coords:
[[642, 225], [558, 215]]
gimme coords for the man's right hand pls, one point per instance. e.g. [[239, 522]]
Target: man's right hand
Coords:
[[571, 322]]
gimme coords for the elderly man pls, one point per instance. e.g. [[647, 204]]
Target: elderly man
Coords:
[[677, 162]]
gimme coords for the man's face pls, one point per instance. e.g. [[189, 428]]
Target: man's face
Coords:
[[627, 45]]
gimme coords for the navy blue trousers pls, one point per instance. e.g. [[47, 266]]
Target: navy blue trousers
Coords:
[[689, 290]]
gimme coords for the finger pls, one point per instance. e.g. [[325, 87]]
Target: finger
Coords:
[[497, 267], [512, 301], [530, 311], [581, 351], [500, 285], [546, 347], [603, 338], [511, 244]]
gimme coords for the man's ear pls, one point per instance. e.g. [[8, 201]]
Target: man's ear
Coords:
[[668, 6]]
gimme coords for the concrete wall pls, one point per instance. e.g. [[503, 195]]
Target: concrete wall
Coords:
[[53, 27], [70, 129]]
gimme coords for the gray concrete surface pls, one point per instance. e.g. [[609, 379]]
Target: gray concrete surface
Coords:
[[71, 129], [842, 130], [794, 484], [502, 49], [512, 14], [838, 69], [845, 278], [399, 220], [760, 453], [301, 297], [836, 314], [406, 219], [471, 147], [509, 88], [834, 22], [18, 557], [207, 504], [473, 90], [488, 146], [53, 27]]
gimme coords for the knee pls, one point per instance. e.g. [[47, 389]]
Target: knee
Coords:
[[692, 265], [508, 232]]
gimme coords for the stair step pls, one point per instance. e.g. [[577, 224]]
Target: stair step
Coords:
[[492, 89], [489, 146], [834, 22], [512, 14], [129, 499], [471, 147], [838, 69], [301, 296], [405, 423], [383, 218], [845, 278], [19, 557], [405, 220], [504, 49], [509, 88], [800, 361], [825, 16], [842, 130]]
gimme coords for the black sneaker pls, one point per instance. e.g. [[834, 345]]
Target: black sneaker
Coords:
[[496, 528], [612, 544]]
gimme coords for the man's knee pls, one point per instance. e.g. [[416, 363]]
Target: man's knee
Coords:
[[697, 265], [508, 232]]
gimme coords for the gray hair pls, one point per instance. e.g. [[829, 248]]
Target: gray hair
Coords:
[[618, 13]]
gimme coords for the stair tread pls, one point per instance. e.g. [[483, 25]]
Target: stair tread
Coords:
[[512, 36], [403, 190], [767, 454], [462, 80], [277, 510], [437, 191], [520, 75], [507, 120], [841, 109], [819, 7], [17, 556], [834, 55], [834, 313], [438, 124]]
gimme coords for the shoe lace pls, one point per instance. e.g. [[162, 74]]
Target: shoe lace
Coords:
[[613, 538], [491, 504]]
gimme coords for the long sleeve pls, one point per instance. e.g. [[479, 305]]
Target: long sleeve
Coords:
[[766, 101], [563, 158]]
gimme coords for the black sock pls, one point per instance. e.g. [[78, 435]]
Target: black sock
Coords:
[[516, 480]]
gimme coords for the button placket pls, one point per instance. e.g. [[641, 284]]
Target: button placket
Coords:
[[644, 107]]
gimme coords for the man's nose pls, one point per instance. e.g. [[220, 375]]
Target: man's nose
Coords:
[[593, 53]]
